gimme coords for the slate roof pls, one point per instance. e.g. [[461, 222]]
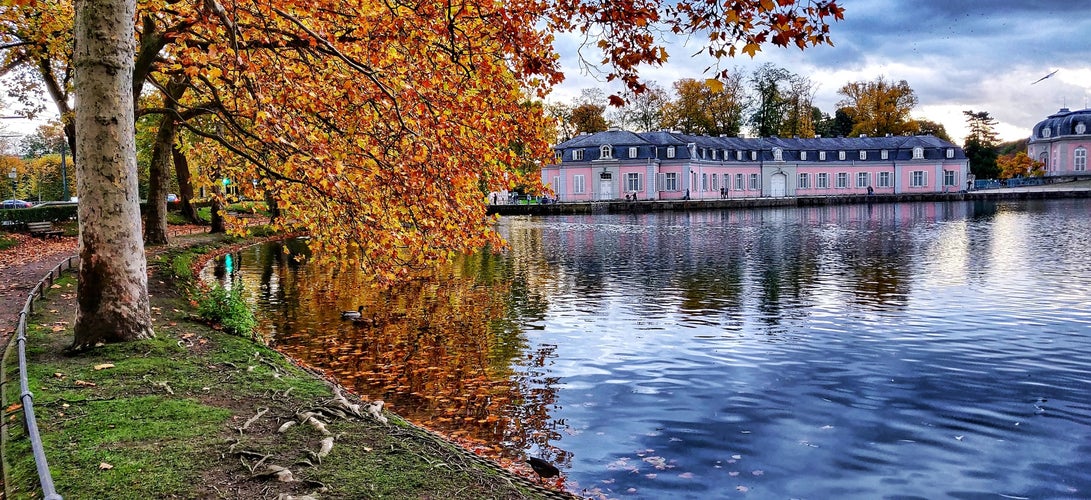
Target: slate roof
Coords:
[[1062, 123]]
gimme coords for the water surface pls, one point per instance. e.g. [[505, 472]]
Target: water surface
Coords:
[[860, 351]]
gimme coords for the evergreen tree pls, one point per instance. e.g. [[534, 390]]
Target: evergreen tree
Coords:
[[981, 145]]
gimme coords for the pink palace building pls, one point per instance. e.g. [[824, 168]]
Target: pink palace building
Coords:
[[1061, 142], [666, 165]]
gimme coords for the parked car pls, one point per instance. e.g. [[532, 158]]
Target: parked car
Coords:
[[171, 198], [16, 204]]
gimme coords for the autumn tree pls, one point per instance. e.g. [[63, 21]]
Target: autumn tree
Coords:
[[376, 127], [1019, 165], [112, 292], [933, 128], [589, 118], [708, 107], [643, 111], [981, 144], [879, 107]]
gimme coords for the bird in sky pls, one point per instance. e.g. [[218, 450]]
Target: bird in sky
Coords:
[[1047, 76]]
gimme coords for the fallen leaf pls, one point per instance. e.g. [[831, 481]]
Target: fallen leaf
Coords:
[[58, 328], [55, 286], [105, 466], [58, 375], [104, 366], [84, 383]]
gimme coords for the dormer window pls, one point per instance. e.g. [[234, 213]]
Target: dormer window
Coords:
[[753, 155], [713, 154], [950, 152], [918, 153], [841, 155], [577, 155], [1046, 132], [738, 155], [778, 154], [863, 154], [884, 154], [670, 151], [803, 155], [632, 152], [821, 156], [606, 151], [1081, 128]]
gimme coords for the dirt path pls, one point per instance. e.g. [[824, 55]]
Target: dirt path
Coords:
[[21, 267]]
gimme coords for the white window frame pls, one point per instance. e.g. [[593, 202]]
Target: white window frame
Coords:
[[822, 180], [740, 182], [633, 181], [821, 156], [950, 178], [606, 152], [1079, 159], [842, 180], [633, 152], [886, 179], [670, 181], [579, 184], [804, 181], [918, 178], [950, 152], [738, 155], [714, 153], [715, 185], [704, 181], [884, 155], [863, 179], [918, 153], [863, 154], [803, 156], [778, 154], [753, 156], [755, 182], [841, 155], [670, 151]]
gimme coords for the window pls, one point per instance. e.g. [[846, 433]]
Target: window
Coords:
[[950, 152], [884, 154], [950, 178], [886, 180], [918, 178], [738, 155], [863, 180], [1081, 128], [1079, 159], [606, 151], [632, 182], [670, 151], [803, 155], [632, 152], [842, 180], [822, 181], [821, 156], [740, 182], [918, 153], [577, 154], [672, 181], [578, 185], [804, 181], [714, 151], [863, 154], [704, 182], [715, 185], [1046, 132], [778, 154], [753, 155], [841, 155], [755, 182]]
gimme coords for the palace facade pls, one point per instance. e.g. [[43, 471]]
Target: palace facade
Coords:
[[666, 165], [1061, 142]]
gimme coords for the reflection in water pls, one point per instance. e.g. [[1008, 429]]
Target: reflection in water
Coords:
[[929, 350]]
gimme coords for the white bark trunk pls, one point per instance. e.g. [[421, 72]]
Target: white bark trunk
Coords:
[[113, 285]]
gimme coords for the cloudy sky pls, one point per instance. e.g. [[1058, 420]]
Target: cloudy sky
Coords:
[[957, 55]]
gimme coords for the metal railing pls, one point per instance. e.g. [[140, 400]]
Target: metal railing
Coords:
[[25, 396]]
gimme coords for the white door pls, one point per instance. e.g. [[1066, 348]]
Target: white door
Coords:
[[606, 189], [777, 185]]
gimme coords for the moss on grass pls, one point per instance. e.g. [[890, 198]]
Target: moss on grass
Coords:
[[168, 417]]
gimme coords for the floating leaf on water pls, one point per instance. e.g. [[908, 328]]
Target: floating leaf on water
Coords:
[[742, 488], [758, 472], [733, 473], [686, 475]]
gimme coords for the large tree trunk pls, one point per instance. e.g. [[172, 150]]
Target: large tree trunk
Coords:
[[185, 186], [155, 215], [112, 293], [219, 225]]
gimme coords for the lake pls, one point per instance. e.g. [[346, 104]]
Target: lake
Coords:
[[918, 350]]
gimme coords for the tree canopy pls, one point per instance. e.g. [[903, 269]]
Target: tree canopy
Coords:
[[879, 107]]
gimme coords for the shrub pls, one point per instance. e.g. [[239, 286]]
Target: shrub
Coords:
[[227, 308]]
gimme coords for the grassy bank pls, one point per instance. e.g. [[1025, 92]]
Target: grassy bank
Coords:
[[200, 413]]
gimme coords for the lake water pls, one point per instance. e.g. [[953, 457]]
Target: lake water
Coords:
[[932, 350]]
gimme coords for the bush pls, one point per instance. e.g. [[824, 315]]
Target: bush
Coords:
[[51, 213], [228, 308]]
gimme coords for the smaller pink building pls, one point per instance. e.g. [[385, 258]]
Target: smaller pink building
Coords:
[[1061, 142]]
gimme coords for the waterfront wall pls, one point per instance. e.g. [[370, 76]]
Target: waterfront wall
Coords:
[[802, 201]]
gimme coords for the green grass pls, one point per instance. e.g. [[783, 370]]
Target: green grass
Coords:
[[7, 242], [162, 420]]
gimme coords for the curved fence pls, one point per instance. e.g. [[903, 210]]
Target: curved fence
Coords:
[[25, 396]]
